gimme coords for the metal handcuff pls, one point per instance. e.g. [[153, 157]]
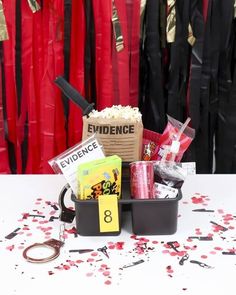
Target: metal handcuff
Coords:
[[67, 215]]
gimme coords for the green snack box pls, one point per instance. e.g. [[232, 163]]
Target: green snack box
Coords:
[[100, 177]]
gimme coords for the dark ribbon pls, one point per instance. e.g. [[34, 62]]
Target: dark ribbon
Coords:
[[152, 103], [89, 78], [34, 6]]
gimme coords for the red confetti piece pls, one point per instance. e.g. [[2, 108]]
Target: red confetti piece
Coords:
[[71, 262], [25, 215], [106, 273], [10, 248], [198, 231], [204, 256], [111, 247], [216, 228], [107, 282], [165, 251], [71, 231], [232, 250], [213, 252], [196, 200], [181, 253], [43, 221], [218, 248], [228, 217], [89, 274], [155, 242], [120, 245], [104, 265], [169, 269], [143, 240]]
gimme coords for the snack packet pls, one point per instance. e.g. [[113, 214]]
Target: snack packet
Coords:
[[150, 145], [100, 177]]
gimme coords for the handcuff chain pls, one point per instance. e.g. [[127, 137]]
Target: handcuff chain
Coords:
[[62, 233]]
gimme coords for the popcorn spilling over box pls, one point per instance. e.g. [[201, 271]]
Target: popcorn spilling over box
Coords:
[[119, 129], [99, 177]]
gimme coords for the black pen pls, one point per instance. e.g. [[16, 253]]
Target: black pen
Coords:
[[201, 238], [228, 253], [81, 251], [203, 210]]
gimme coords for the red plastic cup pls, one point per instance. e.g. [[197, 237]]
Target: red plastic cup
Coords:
[[141, 180]]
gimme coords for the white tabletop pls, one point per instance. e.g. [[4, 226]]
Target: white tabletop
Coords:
[[94, 273]]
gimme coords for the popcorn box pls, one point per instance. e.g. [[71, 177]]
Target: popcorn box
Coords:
[[99, 177], [119, 136]]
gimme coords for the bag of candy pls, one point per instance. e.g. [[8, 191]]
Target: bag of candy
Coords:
[[177, 136], [150, 145]]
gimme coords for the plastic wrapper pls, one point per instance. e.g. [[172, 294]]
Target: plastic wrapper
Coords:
[[67, 162], [177, 136], [168, 179]]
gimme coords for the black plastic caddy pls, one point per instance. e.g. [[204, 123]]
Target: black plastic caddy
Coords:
[[149, 216]]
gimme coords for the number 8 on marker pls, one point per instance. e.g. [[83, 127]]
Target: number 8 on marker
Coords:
[[107, 216], [108, 213]]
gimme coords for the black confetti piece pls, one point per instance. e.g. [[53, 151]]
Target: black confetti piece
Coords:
[[12, 234], [133, 263]]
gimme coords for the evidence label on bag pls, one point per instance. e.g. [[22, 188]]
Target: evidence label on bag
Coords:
[[108, 213], [87, 151]]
